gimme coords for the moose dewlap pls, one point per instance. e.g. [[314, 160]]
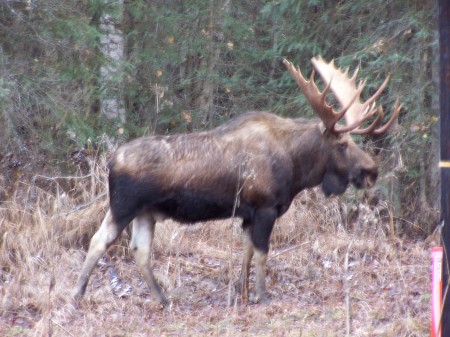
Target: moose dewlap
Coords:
[[263, 159]]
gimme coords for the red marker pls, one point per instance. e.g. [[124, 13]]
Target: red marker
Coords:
[[436, 290]]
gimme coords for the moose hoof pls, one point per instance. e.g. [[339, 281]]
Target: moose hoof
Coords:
[[241, 290], [76, 296], [164, 302], [262, 298]]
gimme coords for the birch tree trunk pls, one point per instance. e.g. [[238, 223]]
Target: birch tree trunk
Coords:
[[112, 46]]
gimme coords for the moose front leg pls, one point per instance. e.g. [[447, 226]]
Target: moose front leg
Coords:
[[264, 221], [260, 262]]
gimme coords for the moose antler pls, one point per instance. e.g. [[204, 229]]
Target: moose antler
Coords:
[[348, 96]]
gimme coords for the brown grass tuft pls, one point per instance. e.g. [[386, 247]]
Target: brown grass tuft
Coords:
[[334, 267]]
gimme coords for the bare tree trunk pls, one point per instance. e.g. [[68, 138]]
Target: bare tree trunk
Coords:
[[112, 46], [428, 163], [434, 195], [205, 101], [273, 65]]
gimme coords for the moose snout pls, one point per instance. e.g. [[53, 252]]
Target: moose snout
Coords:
[[365, 177]]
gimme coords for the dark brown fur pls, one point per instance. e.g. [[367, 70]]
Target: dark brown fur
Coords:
[[257, 162]]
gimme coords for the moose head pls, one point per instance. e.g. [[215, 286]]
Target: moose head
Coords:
[[347, 162]]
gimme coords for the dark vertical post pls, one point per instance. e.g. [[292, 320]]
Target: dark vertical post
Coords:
[[444, 102]]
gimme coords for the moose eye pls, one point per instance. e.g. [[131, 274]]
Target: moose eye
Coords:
[[342, 146]]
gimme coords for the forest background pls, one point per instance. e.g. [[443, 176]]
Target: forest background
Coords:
[[79, 78], [72, 72]]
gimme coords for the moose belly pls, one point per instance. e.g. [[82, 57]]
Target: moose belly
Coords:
[[191, 206]]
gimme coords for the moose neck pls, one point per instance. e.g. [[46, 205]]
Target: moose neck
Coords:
[[310, 155]]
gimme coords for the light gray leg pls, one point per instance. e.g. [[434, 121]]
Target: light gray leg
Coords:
[[248, 250], [260, 264], [263, 222], [140, 245], [102, 239]]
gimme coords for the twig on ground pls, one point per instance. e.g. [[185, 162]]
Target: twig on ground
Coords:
[[60, 326], [287, 250], [86, 204], [36, 176]]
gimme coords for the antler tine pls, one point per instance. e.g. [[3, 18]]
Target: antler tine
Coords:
[[360, 108], [354, 123], [354, 126], [316, 99], [325, 93], [371, 128], [378, 92], [344, 88], [311, 93], [395, 113], [355, 73]]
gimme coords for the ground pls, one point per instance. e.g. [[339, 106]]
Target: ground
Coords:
[[323, 281], [336, 268]]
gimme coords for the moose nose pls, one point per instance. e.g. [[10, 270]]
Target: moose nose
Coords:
[[371, 177], [365, 177]]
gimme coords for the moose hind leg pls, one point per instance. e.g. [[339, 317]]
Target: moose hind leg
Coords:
[[242, 286], [101, 240], [140, 245]]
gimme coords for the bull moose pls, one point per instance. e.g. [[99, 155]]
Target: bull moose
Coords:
[[251, 167]]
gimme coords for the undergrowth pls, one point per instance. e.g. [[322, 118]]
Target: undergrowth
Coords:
[[335, 269]]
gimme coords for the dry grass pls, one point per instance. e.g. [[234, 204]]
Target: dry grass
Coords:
[[332, 271]]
